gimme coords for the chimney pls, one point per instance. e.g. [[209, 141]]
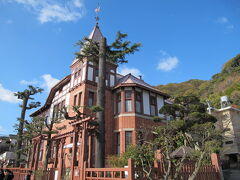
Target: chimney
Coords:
[[140, 77]]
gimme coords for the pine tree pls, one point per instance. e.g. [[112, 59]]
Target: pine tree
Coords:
[[25, 96], [99, 53]]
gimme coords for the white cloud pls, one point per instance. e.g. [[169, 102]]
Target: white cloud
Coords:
[[225, 22], [167, 62], [46, 81], [222, 20], [54, 10], [78, 3], [57, 13], [126, 70], [49, 81], [33, 82], [7, 95]]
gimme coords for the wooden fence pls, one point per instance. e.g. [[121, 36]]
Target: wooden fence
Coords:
[[206, 172], [209, 172], [110, 173]]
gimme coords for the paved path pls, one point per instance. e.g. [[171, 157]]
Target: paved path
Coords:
[[231, 174]]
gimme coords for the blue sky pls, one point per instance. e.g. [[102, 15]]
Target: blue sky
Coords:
[[181, 40]]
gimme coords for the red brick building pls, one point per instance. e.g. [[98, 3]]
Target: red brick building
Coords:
[[130, 105]]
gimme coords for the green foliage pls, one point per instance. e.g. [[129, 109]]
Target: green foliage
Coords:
[[232, 65], [144, 155], [235, 97], [157, 119], [224, 83], [115, 53], [96, 109], [170, 110], [28, 92], [191, 87], [118, 50], [116, 161]]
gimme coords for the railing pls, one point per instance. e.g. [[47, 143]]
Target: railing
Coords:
[[106, 173], [206, 172]]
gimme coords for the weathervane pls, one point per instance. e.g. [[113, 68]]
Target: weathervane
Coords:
[[97, 10]]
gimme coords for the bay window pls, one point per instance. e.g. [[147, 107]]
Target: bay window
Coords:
[[118, 143], [153, 105], [138, 102], [128, 139], [128, 101], [119, 103]]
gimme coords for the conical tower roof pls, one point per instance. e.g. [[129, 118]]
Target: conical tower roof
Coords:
[[95, 36]]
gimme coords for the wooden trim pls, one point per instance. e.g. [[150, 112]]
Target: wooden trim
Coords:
[[50, 97], [143, 87], [64, 135], [132, 115]]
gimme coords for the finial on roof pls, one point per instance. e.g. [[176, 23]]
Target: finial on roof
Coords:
[[97, 10]]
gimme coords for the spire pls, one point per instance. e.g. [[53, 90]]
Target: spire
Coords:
[[96, 34]]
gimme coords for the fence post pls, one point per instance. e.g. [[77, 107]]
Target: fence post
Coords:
[[131, 171], [216, 162], [83, 169]]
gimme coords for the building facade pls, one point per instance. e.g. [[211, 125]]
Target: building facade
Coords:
[[130, 105], [7, 150], [229, 120]]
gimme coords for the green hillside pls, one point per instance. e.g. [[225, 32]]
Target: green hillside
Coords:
[[227, 82]]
